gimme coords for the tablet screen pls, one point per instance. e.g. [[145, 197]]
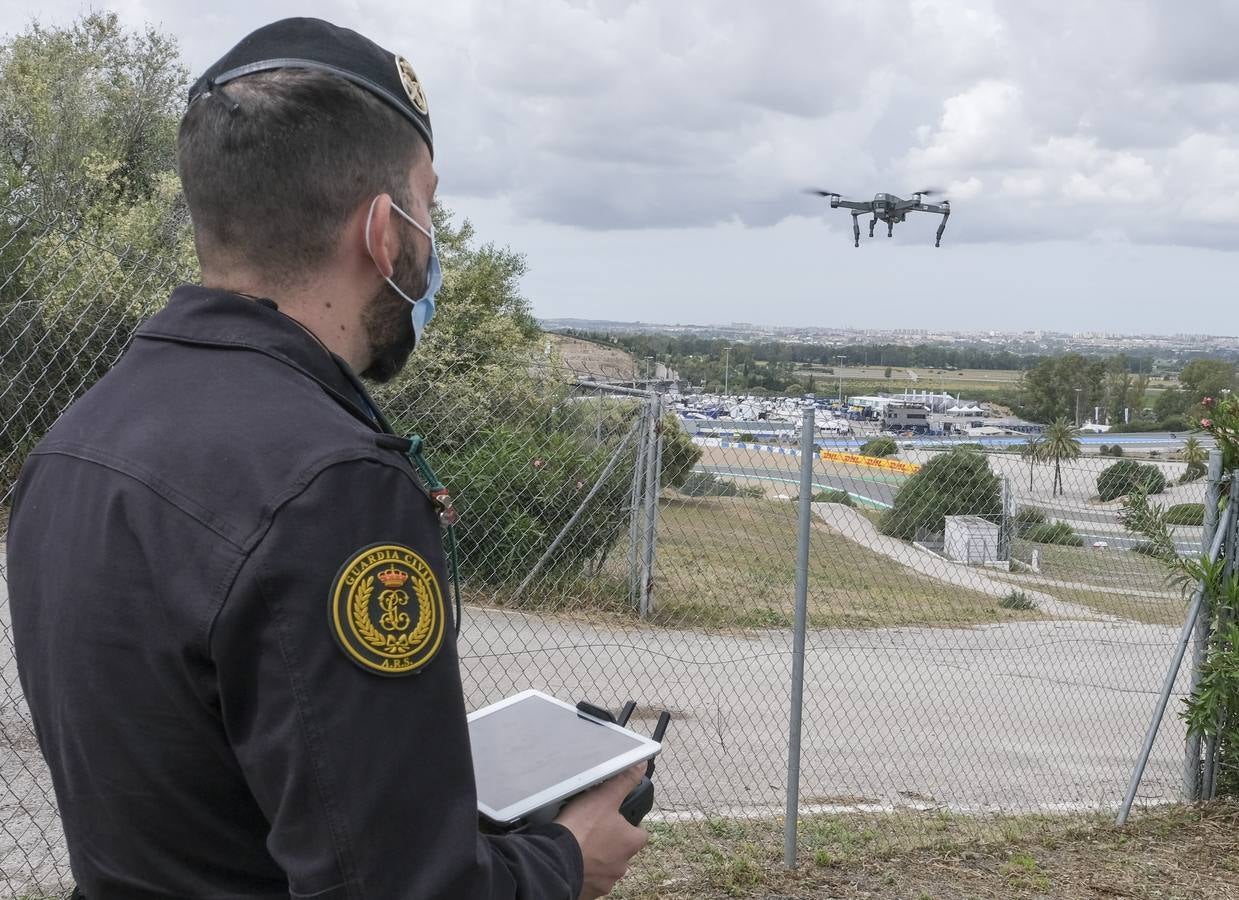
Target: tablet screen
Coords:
[[534, 744]]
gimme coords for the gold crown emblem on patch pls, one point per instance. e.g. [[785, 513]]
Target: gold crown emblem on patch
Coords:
[[393, 577]]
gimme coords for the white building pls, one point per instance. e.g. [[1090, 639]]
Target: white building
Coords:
[[971, 539]]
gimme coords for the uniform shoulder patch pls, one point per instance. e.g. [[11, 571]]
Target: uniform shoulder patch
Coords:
[[386, 610]]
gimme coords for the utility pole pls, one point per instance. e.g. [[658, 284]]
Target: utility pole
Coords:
[[838, 372], [1078, 407], [726, 368]]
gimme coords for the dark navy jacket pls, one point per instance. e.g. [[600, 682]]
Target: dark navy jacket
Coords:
[[173, 546]]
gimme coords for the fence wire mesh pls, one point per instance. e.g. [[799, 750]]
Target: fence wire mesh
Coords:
[[986, 635]]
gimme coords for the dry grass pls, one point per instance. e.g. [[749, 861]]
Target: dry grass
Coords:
[[1173, 852], [732, 562], [1149, 610], [1107, 568]]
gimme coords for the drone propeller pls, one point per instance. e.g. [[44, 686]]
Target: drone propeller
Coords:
[[822, 193], [928, 192]]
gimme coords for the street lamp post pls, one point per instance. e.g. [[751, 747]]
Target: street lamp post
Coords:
[[839, 372], [726, 368], [1078, 407]]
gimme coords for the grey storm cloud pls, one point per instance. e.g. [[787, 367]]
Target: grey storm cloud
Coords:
[[1071, 120], [1068, 120]]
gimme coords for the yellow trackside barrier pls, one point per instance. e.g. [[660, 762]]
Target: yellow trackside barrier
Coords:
[[873, 462]]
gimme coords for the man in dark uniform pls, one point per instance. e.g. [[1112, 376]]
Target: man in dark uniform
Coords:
[[227, 579]]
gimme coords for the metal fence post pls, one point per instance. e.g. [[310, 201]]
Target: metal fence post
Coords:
[[634, 522], [654, 430], [808, 452], [1200, 638]]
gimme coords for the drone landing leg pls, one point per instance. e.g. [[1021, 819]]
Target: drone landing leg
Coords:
[[856, 228], [890, 229], [872, 222], [941, 228]]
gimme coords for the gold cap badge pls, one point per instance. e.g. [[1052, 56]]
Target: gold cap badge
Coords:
[[412, 87]]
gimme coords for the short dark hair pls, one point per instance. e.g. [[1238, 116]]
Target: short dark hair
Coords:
[[274, 165]]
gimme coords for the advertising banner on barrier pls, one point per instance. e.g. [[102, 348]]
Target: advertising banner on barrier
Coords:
[[873, 462]]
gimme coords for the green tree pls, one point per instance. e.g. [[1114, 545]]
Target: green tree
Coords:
[[1128, 477], [89, 113], [1197, 459], [88, 118], [1207, 378], [957, 483], [1171, 402], [1050, 387], [1034, 452], [880, 446], [1061, 442]]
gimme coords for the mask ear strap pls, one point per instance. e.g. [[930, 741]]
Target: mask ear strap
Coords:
[[369, 219]]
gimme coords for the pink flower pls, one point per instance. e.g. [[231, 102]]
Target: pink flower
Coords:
[[1207, 403], [1206, 423]]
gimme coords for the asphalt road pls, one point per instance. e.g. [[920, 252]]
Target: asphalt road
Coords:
[[1029, 715], [878, 488]]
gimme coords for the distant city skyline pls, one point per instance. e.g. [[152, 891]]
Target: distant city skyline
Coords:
[[1111, 342]]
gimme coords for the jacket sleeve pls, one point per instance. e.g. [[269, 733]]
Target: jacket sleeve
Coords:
[[365, 777]]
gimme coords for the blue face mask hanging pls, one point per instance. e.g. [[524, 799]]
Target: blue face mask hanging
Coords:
[[424, 306]]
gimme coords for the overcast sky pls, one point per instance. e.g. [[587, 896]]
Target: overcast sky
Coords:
[[650, 157]]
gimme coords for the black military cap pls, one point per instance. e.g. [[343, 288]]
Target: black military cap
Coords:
[[315, 44]]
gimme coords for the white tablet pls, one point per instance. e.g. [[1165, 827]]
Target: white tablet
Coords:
[[532, 750]]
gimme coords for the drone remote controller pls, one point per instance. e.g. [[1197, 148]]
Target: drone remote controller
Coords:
[[640, 800]]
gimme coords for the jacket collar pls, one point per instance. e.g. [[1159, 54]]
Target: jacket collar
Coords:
[[209, 317]]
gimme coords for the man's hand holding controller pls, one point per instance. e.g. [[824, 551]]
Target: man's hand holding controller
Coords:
[[607, 841]]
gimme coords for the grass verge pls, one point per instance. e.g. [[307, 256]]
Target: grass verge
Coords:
[[1149, 610], [1107, 568], [732, 562], [1172, 852]]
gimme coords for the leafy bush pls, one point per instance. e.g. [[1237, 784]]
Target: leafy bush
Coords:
[[1148, 548], [1059, 533], [1028, 517], [1171, 423], [1186, 514], [707, 484], [1194, 472], [880, 447], [519, 488], [958, 483], [1108, 450], [746, 437], [1017, 600], [829, 495], [1128, 477], [679, 453]]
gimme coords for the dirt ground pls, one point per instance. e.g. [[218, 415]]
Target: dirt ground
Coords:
[[1174, 852]]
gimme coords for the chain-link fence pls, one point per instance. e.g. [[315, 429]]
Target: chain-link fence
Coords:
[[985, 633]]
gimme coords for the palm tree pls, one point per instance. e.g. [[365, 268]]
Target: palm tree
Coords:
[[1034, 452], [1060, 443], [1196, 457]]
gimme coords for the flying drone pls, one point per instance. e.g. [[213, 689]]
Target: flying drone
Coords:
[[890, 209]]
